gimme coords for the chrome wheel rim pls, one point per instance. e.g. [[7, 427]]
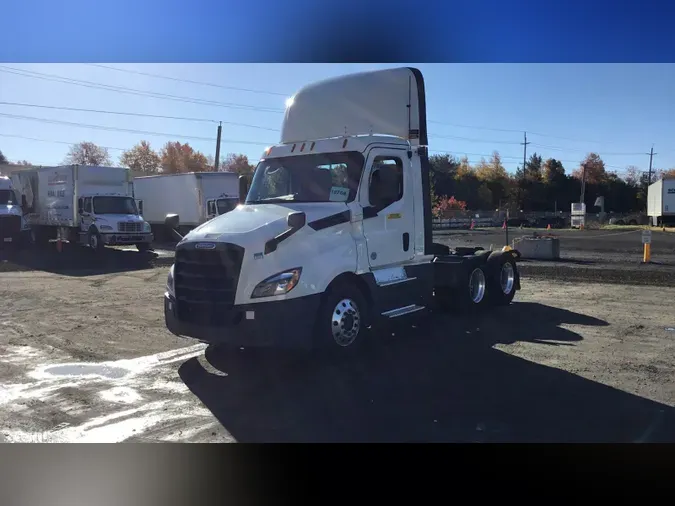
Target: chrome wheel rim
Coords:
[[477, 285], [345, 322], [507, 278]]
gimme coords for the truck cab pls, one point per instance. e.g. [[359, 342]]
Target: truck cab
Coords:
[[112, 220], [13, 227], [333, 240], [220, 205]]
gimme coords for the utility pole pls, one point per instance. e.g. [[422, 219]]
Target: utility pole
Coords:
[[651, 156], [583, 183], [220, 131], [524, 143]]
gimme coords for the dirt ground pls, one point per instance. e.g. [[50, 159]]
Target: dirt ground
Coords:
[[87, 358]]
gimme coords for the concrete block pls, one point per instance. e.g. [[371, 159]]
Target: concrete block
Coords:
[[538, 248]]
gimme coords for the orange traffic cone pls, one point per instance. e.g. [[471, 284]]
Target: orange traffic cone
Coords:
[[504, 225], [548, 227], [472, 225]]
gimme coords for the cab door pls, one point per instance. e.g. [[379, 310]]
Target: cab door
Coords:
[[387, 200]]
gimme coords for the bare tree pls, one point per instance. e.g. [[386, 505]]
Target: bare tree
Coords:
[[87, 153]]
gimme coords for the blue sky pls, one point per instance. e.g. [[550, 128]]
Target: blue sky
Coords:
[[617, 110]]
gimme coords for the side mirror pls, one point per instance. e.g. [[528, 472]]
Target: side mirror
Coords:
[[243, 189], [296, 220], [171, 222]]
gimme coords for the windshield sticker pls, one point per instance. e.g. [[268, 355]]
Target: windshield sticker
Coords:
[[339, 194]]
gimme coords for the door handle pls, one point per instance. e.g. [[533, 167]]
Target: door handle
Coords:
[[406, 241]]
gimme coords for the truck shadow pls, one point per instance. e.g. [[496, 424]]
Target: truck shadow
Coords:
[[444, 384], [76, 260]]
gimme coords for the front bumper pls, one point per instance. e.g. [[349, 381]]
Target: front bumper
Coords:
[[277, 324], [120, 239]]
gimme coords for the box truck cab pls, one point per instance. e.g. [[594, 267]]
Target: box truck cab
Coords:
[[13, 226], [89, 205], [334, 238]]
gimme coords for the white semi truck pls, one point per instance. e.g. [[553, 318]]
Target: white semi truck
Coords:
[[196, 197], [83, 204], [334, 239], [13, 227], [661, 202]]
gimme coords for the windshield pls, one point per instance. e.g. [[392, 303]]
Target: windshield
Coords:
[[226, 205], [114, 205], [329, 177], [8, 197]]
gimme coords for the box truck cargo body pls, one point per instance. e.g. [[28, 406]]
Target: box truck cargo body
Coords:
[[196, 196], [84, 204], [661, 202]]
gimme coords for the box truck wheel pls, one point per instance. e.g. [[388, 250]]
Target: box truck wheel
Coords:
[[143, 247], [94, 240], [340, 321]]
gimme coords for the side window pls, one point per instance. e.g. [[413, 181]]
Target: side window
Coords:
[[87, 205], [211, 207], [386, 181]]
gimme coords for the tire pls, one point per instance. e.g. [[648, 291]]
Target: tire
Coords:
[[143, 247], [340, 325], [465, 297], [502, 280], [94, 240]]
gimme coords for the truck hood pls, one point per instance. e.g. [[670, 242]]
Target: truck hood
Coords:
[[114, 218], [10, 210], [264, 220]]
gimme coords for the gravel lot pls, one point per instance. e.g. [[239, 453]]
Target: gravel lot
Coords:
[[84, 356]]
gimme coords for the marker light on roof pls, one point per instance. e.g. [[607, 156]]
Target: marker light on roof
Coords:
[[289, 102]]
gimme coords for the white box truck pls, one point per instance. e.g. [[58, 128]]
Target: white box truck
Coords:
[[196, 197], [661, 202], [334, 240], [13, 226], [83, 204]]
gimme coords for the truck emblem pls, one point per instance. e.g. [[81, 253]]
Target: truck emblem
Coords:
[[257, 256], [205, 245]]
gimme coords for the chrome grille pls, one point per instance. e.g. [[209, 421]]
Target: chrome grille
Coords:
[[9, 226], [206, 283], [129, 226]]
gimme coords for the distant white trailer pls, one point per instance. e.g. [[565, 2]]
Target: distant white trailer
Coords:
[[661, 202], [196, 196]]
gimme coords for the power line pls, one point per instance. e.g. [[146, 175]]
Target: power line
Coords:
[[54, 142], [121, 113], [129, 130], [202, 83], [134, 91], [467, 139]]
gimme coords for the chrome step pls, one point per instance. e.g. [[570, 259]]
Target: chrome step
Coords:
[[393, 313]]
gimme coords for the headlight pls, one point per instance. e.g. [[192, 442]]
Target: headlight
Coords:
[[146, 227], [170, 282], [105, 227], [278, 284]]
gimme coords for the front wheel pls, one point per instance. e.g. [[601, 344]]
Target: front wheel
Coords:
[[94, 240], [340, 325], [143, 247]]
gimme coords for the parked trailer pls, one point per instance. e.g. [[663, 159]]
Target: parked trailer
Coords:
[[661, 202], [196, 196], [13, 226], [84, 204], [334, 240]]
